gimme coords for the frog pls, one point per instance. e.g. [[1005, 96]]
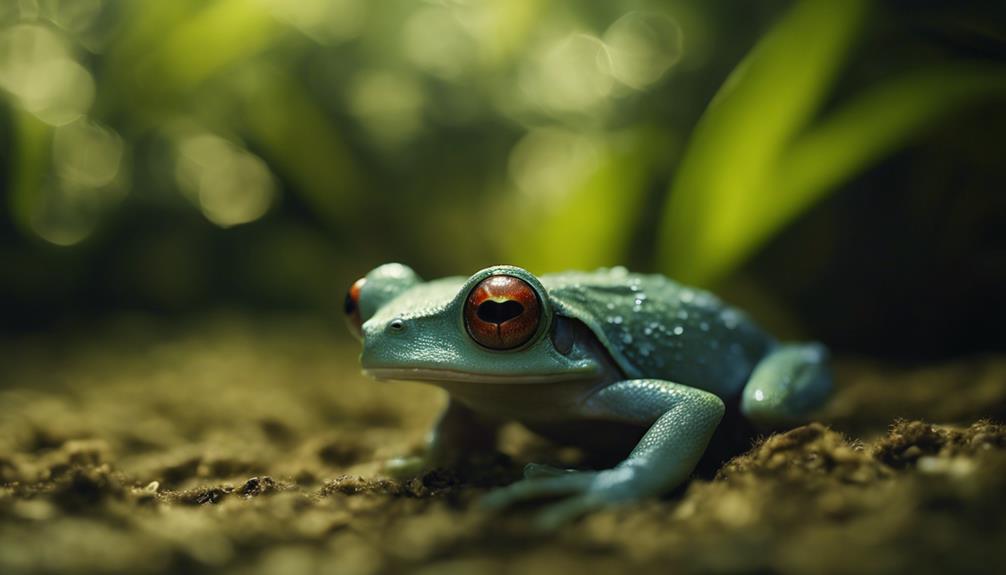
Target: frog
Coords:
[[603, 359]]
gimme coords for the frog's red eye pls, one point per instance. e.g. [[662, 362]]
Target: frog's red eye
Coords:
[[351, 306], [502, 312]]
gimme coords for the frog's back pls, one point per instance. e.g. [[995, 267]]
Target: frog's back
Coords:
[[657, 328]]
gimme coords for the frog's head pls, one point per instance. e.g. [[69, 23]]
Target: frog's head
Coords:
[[498, 326]]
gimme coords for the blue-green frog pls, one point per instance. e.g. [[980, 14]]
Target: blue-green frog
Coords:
[[597, 359]]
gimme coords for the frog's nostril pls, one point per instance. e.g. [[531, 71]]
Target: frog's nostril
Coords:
[[396, 325], [499, 312]]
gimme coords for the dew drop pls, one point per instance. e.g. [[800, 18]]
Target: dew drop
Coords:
[[730, 318]]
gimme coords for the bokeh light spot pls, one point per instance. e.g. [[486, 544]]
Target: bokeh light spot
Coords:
[[38, 69], [643, 46], [75, 16], [436, 42], [571, 75], [545, 164], [87, 153], [84, 183], [230, 185], [389, 105], [65, 215]]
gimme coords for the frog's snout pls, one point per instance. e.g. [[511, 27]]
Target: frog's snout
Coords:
[[385, 344]]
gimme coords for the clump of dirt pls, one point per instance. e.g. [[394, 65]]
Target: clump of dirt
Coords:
[[241, 446], [911, 441]]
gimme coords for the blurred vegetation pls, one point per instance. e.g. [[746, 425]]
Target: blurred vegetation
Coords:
[[839, 161]]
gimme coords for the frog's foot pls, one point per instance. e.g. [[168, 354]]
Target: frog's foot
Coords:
[[787, 386], [581, 492], [406, 466], [681, 420]]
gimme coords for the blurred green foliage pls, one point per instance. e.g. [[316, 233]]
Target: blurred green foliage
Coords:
[[756, 161], [178, 155]]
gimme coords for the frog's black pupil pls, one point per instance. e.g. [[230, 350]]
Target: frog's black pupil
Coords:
[[495, 312], [349, 305]]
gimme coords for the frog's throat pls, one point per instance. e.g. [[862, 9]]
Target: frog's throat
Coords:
[[452, 375]]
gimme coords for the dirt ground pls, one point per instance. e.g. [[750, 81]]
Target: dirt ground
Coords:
[[254, 446]]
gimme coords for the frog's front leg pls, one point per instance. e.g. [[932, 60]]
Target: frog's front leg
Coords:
[[682, 420], [458, 432]]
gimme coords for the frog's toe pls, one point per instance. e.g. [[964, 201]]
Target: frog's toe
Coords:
[[538, 487], [607, 488], [558, 514], [538, 470]]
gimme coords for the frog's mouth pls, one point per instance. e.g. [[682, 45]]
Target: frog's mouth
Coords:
[[445, 375]]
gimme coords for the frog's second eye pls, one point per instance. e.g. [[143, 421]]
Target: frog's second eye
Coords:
[[351, 307], [502, 312]]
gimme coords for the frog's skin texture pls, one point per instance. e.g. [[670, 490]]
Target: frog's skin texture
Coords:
[[613, 354]]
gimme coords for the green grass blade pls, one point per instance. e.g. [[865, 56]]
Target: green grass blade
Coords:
[[723, 178], [873, 125]]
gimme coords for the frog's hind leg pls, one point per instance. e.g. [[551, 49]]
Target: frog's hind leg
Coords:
[[788, 384]]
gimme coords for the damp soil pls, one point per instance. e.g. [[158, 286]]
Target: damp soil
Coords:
[[235, 445]]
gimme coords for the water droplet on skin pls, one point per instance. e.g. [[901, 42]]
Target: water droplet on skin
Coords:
[[617, 319], [626, 338], [678, 330], [730, 318], [648, 330], [683, 314], [704, 326], [687, 296], [610, 305]]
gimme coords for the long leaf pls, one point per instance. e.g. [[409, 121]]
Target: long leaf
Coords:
[[719, 187]]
